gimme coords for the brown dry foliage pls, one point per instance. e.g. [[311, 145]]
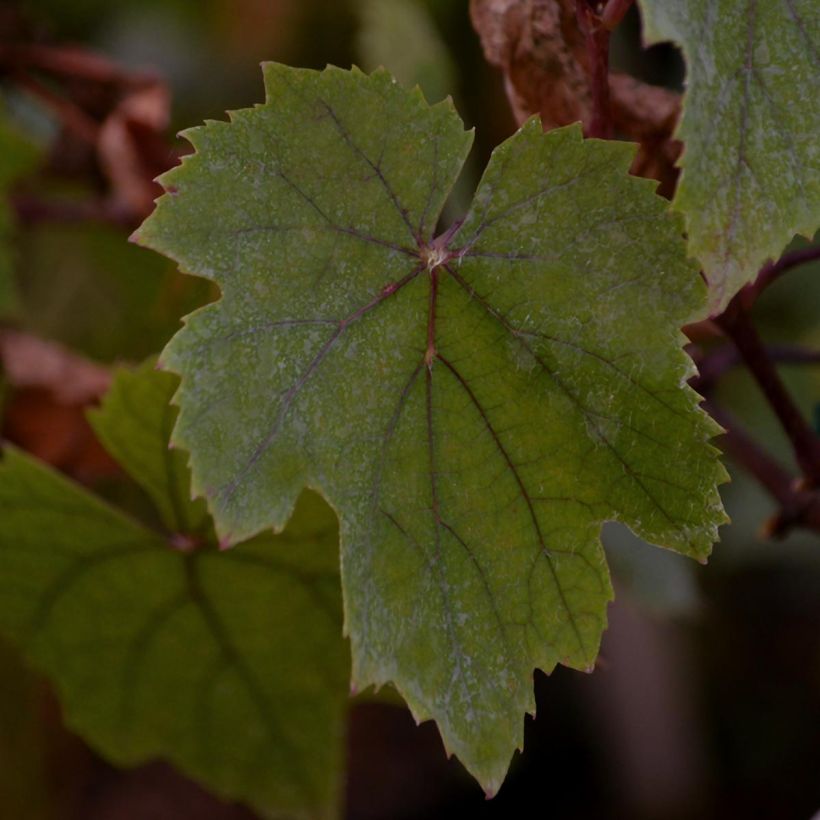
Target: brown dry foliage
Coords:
[[45, 415], [541, 50]]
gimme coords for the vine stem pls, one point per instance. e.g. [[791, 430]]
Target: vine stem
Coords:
[[596, 21], [33, 211], [799, 506], [714, 364], [774, 270], [798, 498], [736, 323], [73, 62], [596, 35], [614, 12], [71, 115]]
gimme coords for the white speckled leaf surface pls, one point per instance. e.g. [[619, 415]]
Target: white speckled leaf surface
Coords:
[[750, 126], [473, 405]]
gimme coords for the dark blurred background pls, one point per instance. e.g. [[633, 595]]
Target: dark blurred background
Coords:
[[706, 700]]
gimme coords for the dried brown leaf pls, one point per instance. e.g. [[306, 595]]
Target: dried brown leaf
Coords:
[[29, 361], [132, 149], [539, 47], [648, 114], [52, 388]]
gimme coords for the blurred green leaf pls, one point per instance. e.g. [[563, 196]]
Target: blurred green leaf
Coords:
[[230, 664], [25, 790], [136, 414], [89, 288], [18, 156], [400, 36]]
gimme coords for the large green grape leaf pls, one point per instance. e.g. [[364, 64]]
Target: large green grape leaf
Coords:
[[231, 664], [473, 406], [751, 162]]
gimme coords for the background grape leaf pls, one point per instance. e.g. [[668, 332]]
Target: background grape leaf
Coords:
[[473, 406], [139, 293], [229, 664], [24, 743], [133, 425], [17, 157], [401, 36], [751, 161]]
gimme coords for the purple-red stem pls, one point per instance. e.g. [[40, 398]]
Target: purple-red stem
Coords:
[[713, 365], [597, 42], [798, 506], [430, 354], [33, 211], [737, 325], [68, 61], [71, 115], [799, 500], [774, 270], [614, 12]]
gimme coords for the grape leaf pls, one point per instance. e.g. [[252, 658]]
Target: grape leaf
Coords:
[[401, 36], [134, 425], [139, 293], [17, 157], [473, 405], [24, 743], [229, 664], [751, 163]]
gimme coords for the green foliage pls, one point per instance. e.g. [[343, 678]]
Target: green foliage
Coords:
[[230, 664], [751, 177], [473, 406], [135, 426], [24, 782], [138, 296], [17, 158], [401, 36]]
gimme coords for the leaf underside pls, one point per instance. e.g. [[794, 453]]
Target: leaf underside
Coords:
[[229, 664], [751, 162], [472, 405]]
